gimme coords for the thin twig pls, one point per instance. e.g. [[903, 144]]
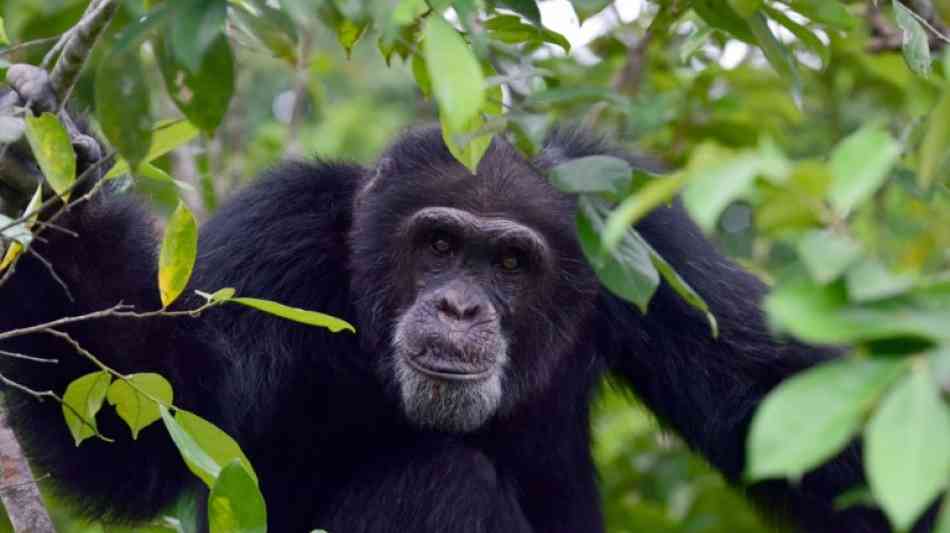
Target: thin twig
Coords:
[[12, 50], [52, 271], [16, 355]]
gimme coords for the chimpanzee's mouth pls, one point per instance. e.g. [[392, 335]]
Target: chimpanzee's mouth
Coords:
[[432, 365]]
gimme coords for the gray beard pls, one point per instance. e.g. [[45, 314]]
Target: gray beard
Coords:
[[452, 406]]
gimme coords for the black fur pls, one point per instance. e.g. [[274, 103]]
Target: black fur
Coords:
[[313, 410]]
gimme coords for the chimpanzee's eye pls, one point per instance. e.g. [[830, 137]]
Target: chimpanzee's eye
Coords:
[[511, 261], [442, 243]]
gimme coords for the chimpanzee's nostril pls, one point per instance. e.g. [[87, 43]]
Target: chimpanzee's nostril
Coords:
[[452, 305]]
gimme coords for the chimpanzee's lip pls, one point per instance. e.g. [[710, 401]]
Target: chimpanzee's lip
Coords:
[[437, 367]]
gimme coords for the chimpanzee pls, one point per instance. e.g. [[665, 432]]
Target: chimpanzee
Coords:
[[462, 402]]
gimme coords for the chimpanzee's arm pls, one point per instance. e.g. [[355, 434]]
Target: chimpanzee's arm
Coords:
[[92, 257], [708, 388]]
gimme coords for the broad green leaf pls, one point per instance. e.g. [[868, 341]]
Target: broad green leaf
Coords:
[[860, 164], [20, 234], [196, 458], [138, 410], [526, 8], [720, 15], [746, 8], [828, 12], [907, 448], [935, 148], [421, 74], [214, 442], [472, 147], [177, 257], [194, 27], [166, 136], [588, 8], [822, 314], [235, 504], [592, 174], [870, 280], [82, 401], [202, 94], [710, 188], [694, 42], [628, 270], [916, 44], [123, 104], [683, 289], [827, 253], [456, 77], [804, 35], [348, 31], [510, 29], [296, 314], [218, 296], [53, 150], [813, 415], [4, 40], [271, 26], [657, 191], [777, 54]]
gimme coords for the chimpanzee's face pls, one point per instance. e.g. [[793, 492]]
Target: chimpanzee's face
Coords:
[[472, 285]]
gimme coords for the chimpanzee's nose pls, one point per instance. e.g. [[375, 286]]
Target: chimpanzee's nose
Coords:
[[458, 305]]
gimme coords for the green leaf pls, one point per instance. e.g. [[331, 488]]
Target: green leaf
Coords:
[[822, 314], [348, 32], [804, 35], [628, 270], [916, 44], [166, 136], [82, 401], [935, 148], [123, 104], [456, 77], [53, 150], [196, 459], [588, 8], [526, 8], [870, 280], [510, 29], [272, 26], [827, 254], [4, 40], [202, 94], [746, 8], [657, 191], [907, 449], [195, 26], [813, 415], [860, 165], [235, 504], [777, 54], [218, 296], [721, 16], [717, 182], [138, 410], [467, 149], [828, 12], [214, 442], [592, 174], [177, 257], [296, 314], [421, 74], [683, 289]]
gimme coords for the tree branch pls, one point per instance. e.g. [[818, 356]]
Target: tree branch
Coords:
[[19, 493]]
